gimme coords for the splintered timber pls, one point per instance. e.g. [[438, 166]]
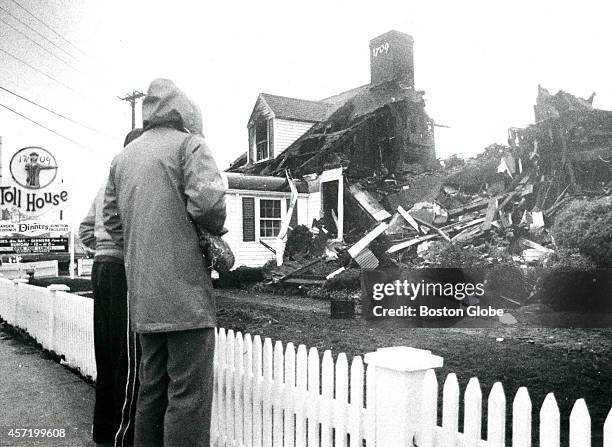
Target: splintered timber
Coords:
[[11, 195]]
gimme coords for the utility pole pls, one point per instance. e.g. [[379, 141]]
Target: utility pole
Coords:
[[131, 98]]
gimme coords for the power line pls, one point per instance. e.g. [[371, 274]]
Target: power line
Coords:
[[80, 94], [40, 71], [68, 64], [57, 113], [39, 33], [50, 28], [50, 130]]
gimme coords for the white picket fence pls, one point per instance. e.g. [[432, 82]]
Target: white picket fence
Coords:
[[61, 322], [274, 396]]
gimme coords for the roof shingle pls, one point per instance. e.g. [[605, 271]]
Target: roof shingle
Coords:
[[297, 109]]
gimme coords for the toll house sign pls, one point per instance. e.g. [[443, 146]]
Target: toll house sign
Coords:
[[32, 203]]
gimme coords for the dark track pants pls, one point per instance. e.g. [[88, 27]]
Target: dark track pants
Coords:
[[176, 389], [116, 357]]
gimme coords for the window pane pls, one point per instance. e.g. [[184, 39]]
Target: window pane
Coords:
[[269, 228], [261, 131], [270, 209]]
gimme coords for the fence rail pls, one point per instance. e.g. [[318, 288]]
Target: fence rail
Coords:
[[272, 395]]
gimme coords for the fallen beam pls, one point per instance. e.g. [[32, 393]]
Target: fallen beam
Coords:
[[406, 215], [369, 204], [433, 227], [367, 240], [410, 243]]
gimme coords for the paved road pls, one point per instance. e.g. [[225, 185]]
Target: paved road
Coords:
[[38, 393]]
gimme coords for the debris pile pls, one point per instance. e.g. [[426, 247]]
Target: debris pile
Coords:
[[501, 201]]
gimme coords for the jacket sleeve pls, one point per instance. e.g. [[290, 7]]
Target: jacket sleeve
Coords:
[[110, 210], [87, 227], [204, 188]]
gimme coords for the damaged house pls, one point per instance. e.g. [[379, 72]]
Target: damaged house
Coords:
[[303, 155]]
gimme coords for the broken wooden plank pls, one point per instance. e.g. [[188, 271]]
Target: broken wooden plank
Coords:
[[300, 269], [267, 246], [293, 201], [335, 273], [305, 281], [486, 226], [467, 234], [457, 226], [410, 243], [534, 245], [367, 239], [474, 206], [413, 223], [369, 204], [433, 227]]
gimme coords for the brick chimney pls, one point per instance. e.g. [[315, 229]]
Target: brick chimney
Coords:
[[391, 58]]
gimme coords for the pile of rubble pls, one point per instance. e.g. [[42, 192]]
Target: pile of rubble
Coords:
[[506, 198]]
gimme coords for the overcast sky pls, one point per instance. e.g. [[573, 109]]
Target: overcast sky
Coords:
[[479, 62]]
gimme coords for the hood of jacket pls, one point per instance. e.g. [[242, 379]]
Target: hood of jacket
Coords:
[[167, 105]]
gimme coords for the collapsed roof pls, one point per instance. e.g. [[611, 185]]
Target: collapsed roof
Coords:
[[382, 128]]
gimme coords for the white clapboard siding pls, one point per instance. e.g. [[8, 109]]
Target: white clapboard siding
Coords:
[[286, 132], [314, 207]]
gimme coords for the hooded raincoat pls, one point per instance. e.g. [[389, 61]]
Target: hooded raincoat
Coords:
[[158, 191]]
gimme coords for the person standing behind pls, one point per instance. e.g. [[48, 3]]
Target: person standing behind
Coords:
[[114, 344], [161, 190]]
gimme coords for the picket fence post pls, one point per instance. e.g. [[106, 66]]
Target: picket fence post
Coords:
[[398, 392], [52, 296]]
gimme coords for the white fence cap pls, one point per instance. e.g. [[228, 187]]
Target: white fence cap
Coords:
[[403, 359], [58, 288]]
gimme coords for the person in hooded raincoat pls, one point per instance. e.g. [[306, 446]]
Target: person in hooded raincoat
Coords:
[[160, 188]]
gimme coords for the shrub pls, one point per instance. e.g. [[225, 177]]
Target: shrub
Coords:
[[447, 255], [587, 226], [323, 294], [239, 278], [298, 240], [347, 280]]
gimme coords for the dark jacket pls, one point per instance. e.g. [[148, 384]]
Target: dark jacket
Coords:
[[93, 234], [155, 197]]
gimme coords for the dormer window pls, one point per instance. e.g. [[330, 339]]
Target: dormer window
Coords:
[[262, 140]]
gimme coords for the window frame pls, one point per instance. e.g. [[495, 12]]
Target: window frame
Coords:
[[268, 219], [268, 123]]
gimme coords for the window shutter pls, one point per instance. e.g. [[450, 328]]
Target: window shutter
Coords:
[[271, 138], [248, 219], [294, 217], [251, 146]]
